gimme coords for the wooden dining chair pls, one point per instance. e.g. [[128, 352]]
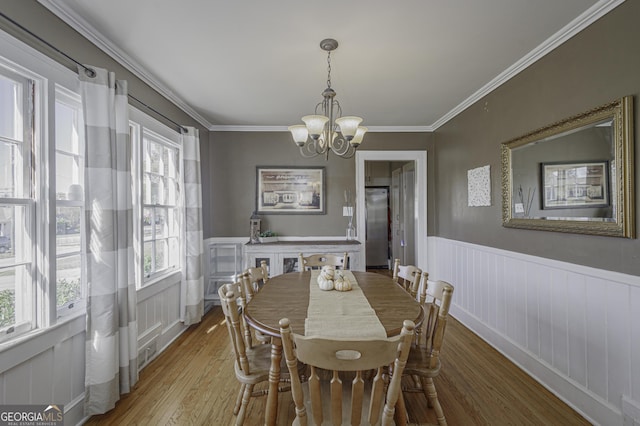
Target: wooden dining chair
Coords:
[[424, 363], [252, 364], [317, 261], [408, 277], [252, 280], [325, 398]]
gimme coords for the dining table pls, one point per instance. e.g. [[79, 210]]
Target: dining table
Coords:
[[375, 308]]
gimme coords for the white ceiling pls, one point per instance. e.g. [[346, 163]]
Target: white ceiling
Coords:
[[401, 65]]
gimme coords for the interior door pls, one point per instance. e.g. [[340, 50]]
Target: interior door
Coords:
[[396, 217], [409, 213]]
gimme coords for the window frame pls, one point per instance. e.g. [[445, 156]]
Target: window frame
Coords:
[[24, 195], [46, 74], [142, 125], [71, 100]]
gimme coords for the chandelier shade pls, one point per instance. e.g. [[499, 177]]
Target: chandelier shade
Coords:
[[348, 126], [326, 130], [315, 124], [357, 139], [299, 133]]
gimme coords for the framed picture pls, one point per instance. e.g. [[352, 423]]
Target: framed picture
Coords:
[[290, 190], [575, 185]]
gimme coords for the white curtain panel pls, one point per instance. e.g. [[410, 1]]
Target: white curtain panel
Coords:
[[192, 275], [111, 338]]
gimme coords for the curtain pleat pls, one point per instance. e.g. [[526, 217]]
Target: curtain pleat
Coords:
[[192, 275], [111, 338]]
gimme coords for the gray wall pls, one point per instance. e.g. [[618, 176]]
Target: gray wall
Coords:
[[596, 66], [229, 191]]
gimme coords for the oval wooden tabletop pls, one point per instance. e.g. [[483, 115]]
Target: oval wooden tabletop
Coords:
[[287, 296]]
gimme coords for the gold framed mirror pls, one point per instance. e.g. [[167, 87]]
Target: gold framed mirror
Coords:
[[576, 175]]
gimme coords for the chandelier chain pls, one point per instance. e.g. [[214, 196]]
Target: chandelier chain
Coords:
[[329, 69]]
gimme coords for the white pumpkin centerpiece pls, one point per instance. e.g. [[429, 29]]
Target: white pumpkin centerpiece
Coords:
[[329, 271], [341, 282], [325, 278]]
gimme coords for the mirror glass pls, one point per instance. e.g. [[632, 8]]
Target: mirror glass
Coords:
[[573, 176]]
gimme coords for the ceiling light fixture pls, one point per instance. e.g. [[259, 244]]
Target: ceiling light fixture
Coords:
[[320, 134]]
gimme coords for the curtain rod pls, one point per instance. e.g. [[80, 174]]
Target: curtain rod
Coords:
[[89, 71]]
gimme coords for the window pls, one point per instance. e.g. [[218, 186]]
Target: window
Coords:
[[69, 150], [159, 163], [16, 204], [41, 176]]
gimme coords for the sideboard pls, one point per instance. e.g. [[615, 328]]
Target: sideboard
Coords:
[[282, 256], [226, 258]]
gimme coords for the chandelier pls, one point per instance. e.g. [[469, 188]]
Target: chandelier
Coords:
[[327, 130]]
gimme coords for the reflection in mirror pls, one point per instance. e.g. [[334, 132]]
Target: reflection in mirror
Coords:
[[573, 176]]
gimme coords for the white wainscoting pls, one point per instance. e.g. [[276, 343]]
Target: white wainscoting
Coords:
[[575, 329], [48, 367]]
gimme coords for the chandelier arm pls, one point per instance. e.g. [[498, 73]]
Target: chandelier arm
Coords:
[[304, 153], [308, 150], [320, 147], [338, 107], [341, 146], [349, 155], [350, 151]]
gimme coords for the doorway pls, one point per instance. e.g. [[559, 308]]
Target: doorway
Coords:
[[416, 214], [389, 213]]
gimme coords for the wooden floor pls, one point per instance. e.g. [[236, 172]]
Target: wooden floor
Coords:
[[192, 383]]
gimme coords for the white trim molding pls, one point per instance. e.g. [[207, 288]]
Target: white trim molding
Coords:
[[420, 158], [371, 129]]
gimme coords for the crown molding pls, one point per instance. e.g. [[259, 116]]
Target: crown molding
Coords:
[[372, 129], [591, 15], [79, 24], [399, 129], [238, 128]]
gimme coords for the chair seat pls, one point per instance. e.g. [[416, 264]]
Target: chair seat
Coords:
[[417, 364], [259, 358]]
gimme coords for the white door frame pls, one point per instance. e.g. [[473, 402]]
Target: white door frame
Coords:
[[420, 158]]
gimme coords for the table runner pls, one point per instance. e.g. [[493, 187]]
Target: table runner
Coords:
[[341, 314]]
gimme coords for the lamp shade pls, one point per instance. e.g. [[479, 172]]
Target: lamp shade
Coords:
[[315, 124], [299, 133], [348, 126], [357, 139]]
